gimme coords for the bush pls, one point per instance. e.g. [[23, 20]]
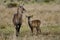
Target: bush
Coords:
[[47, 1], [2, 27], [12, 4]]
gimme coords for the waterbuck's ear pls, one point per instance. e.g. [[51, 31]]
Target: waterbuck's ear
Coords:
[[24, 9], [21, 4]]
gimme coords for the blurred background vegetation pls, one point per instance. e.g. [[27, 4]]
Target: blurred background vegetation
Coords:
[[15, 3], [29, 1]]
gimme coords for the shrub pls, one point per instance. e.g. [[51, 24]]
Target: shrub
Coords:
[[47, 1], [2, 27], [12, 4]]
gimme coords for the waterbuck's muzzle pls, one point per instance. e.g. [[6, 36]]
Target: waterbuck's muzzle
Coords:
[[23, 9]]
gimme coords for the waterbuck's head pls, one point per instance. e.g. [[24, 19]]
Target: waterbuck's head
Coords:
[[21, 9]]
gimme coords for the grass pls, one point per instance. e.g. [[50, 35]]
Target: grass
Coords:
[[52, 29], [49, 14]]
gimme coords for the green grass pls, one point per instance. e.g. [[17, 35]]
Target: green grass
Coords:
[[10, 30], [5, 29]]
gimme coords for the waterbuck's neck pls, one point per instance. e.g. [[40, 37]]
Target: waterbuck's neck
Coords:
[[19, 11], [19, 14]]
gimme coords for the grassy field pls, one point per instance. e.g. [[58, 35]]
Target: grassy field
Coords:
[[49, 14]]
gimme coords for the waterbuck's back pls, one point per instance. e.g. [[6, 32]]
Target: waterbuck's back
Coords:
[[35, 23]]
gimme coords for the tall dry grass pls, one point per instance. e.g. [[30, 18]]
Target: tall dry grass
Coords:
[[49, 14]]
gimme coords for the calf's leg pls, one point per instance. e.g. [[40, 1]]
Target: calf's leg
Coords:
[[31, 30], [38, 30]]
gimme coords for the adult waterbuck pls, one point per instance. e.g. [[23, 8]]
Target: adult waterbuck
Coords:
[[34, 24], [17, 18]]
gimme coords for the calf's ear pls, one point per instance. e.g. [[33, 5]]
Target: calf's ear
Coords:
[[31, 16], [26, 16]]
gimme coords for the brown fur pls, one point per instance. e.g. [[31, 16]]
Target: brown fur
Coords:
[[34, 24]]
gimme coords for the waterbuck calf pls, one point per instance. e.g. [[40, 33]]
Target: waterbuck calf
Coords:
[[17, 18], [34, 24]]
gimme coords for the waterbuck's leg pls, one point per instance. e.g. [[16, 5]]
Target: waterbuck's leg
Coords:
[[17, 30], [38, 30], [19, 27]]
